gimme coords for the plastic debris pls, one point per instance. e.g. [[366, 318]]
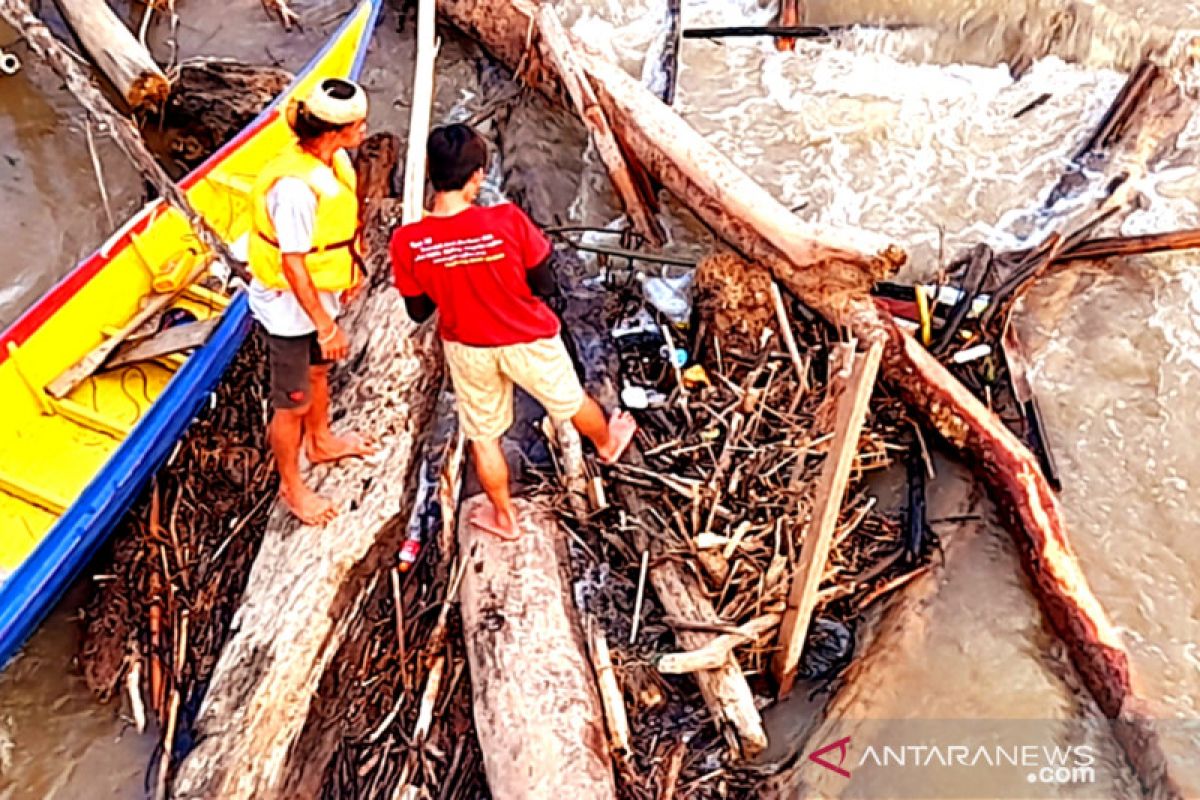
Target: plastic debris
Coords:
[[695, 376], [671, 296], [829, 649]]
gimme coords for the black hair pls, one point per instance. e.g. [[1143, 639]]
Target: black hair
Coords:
[[307, 126], [455, 153]]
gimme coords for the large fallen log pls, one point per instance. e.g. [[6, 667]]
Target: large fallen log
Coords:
[[305, 588], [831, 271], [117, 52], [537, 710]]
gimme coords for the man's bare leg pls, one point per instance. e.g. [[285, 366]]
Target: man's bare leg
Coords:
[[285, 434], [610, 436], [500, 519], [320, 443]]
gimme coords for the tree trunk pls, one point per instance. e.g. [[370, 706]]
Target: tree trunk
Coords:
[[117, 52], [306, 586], [831, 271], [537, 711]]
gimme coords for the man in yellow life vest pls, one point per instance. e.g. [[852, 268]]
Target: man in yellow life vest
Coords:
[[305, 265]]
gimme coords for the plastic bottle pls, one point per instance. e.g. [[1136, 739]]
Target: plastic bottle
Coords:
[[410, 551]]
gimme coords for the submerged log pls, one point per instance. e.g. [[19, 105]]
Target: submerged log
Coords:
[[537, 712], [305, 589], [117, 52], [832, 271]]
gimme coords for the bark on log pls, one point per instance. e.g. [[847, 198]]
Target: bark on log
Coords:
[[117, 52], [832, 272], [306, 586], [537, 712]]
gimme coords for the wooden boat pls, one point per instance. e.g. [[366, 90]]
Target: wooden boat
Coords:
[[82, 432]]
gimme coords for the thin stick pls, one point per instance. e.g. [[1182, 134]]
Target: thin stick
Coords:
[[610, 691], [133, 685], [99, 170], [641, 596], [398, 603], [429, 699], [789, 338]]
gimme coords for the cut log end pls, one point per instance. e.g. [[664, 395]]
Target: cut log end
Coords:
[[149, 92]]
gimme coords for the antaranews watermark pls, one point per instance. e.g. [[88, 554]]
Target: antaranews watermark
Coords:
[[993, 759]]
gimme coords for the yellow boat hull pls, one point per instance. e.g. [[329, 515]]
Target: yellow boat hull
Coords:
[[71, 465]]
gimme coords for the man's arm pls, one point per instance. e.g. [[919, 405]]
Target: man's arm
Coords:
[[419, 307], [541, 280], [302, 286]]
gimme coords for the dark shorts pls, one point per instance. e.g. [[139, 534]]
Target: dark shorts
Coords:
[[291, 357]]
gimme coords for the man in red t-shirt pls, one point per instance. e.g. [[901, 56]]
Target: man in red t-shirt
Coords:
[[479, 267]]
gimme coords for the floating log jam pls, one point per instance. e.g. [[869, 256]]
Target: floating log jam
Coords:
[[537, 711], [117, 52], [302, 596], [832, 271]]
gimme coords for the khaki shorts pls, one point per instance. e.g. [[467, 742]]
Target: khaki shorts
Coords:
[[483, 380]]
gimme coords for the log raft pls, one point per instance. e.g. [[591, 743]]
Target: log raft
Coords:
[[831, 271]]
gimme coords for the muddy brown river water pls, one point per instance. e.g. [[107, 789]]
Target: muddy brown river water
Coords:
[[910, 133]]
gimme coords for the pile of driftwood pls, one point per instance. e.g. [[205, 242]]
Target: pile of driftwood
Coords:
[[342, 677], [686, 554], [161, 612]]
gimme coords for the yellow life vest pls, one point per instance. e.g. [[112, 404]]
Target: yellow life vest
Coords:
[[333, 262]]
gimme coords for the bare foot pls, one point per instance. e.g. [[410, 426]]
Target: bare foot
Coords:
[[503, 527], [621, 428], [335, 448], [308, 506]]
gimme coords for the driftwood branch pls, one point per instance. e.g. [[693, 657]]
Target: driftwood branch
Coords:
[[561, 53]]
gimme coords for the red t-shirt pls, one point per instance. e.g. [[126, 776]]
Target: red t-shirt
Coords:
[[472, 265]]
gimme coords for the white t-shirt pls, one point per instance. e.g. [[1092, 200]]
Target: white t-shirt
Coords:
[[292, 207]]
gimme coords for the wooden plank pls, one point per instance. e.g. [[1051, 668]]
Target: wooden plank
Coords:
[[558, 48], [164, 343], [61, 386], [418, 122], [802, 599]]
